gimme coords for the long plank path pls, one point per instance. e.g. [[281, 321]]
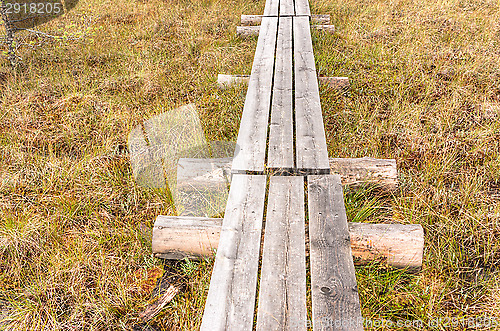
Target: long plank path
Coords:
[[282, 133]]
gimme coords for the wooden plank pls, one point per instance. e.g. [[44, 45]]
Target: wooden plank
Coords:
[[252, 137], [287, 8], [311, 150], [282, 294], [271, 8], [335, 301], [302, 8], [280, 150], [231, 297]]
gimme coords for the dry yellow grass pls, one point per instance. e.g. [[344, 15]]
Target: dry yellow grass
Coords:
[[75, 229]]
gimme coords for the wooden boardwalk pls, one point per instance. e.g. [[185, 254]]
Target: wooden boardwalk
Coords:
[[282, 190]]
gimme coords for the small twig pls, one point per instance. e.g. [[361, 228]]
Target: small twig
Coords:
[[153, 309]]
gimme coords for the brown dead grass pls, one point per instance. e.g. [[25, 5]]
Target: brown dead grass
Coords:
[[74, 239]]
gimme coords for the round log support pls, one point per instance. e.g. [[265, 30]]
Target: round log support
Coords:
[[398, 245]]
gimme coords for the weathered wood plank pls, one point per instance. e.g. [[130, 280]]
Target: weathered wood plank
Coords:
[[311, 150], [398, 245], [335, 300], [280, 150], [231, 297], [282, 294], [271, 8], [287, 8], [252, 137], [302, 8]]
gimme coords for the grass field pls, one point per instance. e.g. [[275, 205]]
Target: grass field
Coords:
[[75, 230]]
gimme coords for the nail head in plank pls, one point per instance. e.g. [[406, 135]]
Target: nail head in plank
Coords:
[[231, 297], [252, 137], [282, 294], [335, 300], [280, 150], [311, 149]]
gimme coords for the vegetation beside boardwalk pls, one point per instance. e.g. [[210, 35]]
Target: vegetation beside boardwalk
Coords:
[[75, 229]]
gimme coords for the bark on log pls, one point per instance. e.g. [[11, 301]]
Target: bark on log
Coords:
[[398, 245], [354, 172], [252, 31], [248, 20], [329, 28]]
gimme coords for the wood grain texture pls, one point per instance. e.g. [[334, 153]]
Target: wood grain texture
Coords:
[[231, 297], [398, 245], [282, 294], [335, 300], [311, 150], [177, 237], [204, 173], [328, 28], [287, 8], [354, 172], [271, 8], [248, 31], [357, 172], [280, 150], [252, 136], [302, 8]]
